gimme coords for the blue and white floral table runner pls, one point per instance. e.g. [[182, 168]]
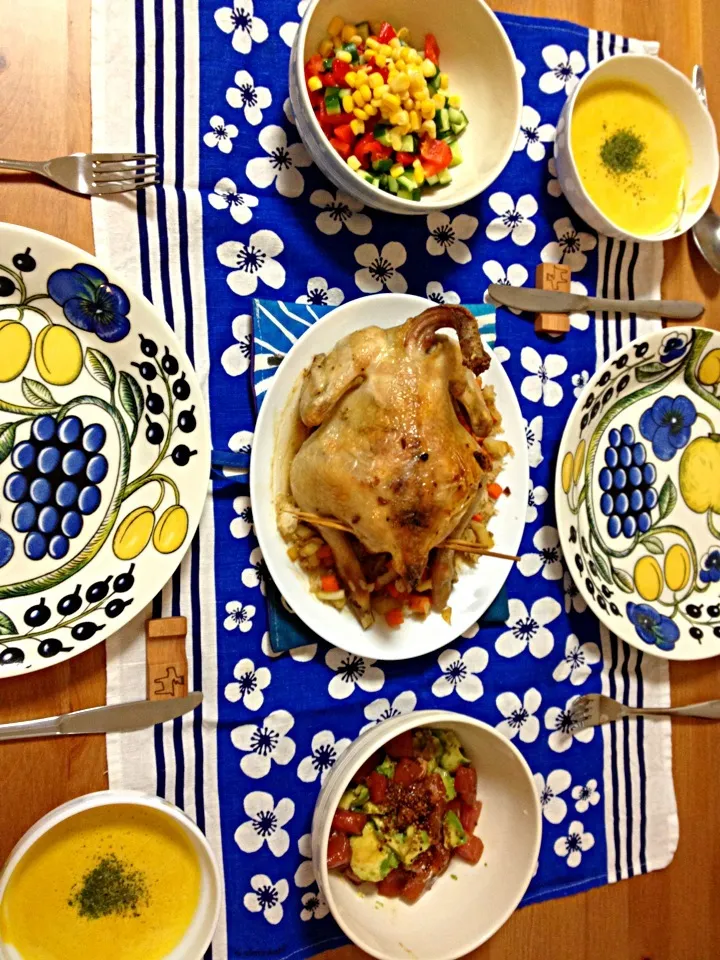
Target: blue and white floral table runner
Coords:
[[242, 213]]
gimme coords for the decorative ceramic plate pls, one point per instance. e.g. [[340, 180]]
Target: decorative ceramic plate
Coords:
[[637, 493], [104, 451], [477, 585]]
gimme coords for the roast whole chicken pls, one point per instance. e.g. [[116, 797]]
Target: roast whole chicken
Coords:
[[389, 456]]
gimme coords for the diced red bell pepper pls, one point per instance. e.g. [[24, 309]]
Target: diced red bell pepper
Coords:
[[349, 821], [469, 816], [466, 784], [377, 784], [472, 850], [339, 69], [345, 133], [367, 768], [408, 771], [330, 120], [316, 98], [406, 159], [393, 883], [400, 746], [344, 150], [339, 851], [413, 889], [436, 156], [386, 32], [314, 66], [432, 50], [328, 80], [372, 67], [368, 148]]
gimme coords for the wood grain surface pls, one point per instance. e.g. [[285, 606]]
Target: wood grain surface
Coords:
[[666, 915]]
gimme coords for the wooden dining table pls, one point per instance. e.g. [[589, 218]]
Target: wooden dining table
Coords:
[[670, 914]]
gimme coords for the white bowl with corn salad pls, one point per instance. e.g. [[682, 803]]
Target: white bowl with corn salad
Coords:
[[403, 107]]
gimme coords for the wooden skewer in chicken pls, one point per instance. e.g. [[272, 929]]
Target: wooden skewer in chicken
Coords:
[[390, 457]]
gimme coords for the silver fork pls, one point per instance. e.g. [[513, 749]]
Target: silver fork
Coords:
[[594, 709], [95, 174]]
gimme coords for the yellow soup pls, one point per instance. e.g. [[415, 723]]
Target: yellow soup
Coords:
[[118, 882], [632, 154]]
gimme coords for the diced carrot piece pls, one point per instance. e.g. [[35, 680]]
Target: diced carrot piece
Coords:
[[394, 592], [395, 617], [329, 583], [419, 604], [478, 517], [494, 490], [325, 552]]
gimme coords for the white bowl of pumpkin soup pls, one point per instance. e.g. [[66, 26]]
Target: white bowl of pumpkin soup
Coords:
[[115, 875], [636, 150]]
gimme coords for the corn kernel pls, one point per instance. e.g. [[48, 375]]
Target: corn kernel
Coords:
[[405, 129], [344, 55], [454, 100], [416, 163], [348, 32], [391, 100], [326, 48], [370, 110], [356, 39], [314, 83], [353, 162], [427, 109], [362, 77], [372, 44], [408, 104], [401, 66], [444, 81], [380, 59], [397, 171], [360, 113], [375, 80], [419, 174], [395, 44], [348, 104], [357, 127], [375, 102], [358, 98], [429, 128], [403, 33], [350, 79], [335, 26], [386, 49], [414, 120], [428, 68], [396, 141], [439, 100], [400, 118], [399, 83], [366, 92], [381, 91]]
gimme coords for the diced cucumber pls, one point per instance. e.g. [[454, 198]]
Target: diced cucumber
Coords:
[[383, 182], [455, 115], [457, 156], [344, 92], [382, 165], [445, 134], [408, 144], [375, 181], [406, 183], [431, 181], [442, 120], [332, 100], [392, 185], [327, 63], [444, 177], [404, 195], [352, 50], [363, 29], [434, 82], [364, 175], [382, 135]]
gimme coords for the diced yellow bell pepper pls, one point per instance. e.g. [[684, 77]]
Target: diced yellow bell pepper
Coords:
[[335, 26], [326, 48], [454, 100], [397, 171], [314, 83], [419, 175], [353, 162], [444, 81], [348, 32]]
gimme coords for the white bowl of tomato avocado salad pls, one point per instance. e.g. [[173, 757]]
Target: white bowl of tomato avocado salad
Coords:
[[114, 875], [402, 106], [426, 835]]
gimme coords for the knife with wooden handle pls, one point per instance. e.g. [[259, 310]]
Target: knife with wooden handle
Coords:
[[550, 301]]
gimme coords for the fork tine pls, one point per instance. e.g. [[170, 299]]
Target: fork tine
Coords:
[[100, 158], [122, 187], [125, 173], [580, 711]]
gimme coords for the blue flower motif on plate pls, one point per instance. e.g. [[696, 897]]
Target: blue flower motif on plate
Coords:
[[710, 566], [653, 627], [90, 302], [674, 346], [667, 425]]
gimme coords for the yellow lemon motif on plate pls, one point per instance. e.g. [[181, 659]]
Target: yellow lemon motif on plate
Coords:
[[15, 346], [677, 567], [567, 471], [58, 355], [171, 529], [699, 474], [709, 369], [648, 578], [133, 534], [578, 461]]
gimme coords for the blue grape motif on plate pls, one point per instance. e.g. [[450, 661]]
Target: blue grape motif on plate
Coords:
[[628, 484]]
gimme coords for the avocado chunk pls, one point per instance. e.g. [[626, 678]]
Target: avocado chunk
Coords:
[[370, 858], [387, 768], [452, 755], [447, 779], [373, 808], [453, 831], [354, 798], [410, 844]]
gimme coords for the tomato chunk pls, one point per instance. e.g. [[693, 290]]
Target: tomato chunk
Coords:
[[314, 66], [432, 50], [466, 784], [377, 785], [472, 850], [436, 155], [339, 69], [344, 150], [413, 889], [368, 148], [386, 32], [349, 821], [408, 771], [339, 851], [367, 768], [393, 883], [469, 816], [406, 159], [400, 746], [441, 859], [345, 133]]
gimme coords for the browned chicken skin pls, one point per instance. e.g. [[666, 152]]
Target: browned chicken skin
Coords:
[[389, 456]]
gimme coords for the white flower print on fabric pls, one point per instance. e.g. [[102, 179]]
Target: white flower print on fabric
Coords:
[[352, 671], [267, 649], [256, 574], [280, 166], [472, 631], [315, 906], [239, 616], [564, 69], [267, 897], [536, 497], [585, 796], [226, 197], [533, 438], [520, 68], [290, 28], [265, 824], [382, 709], [220, 135], [581, 320], [241, 22], [574, 600], [575, 844], [247, 97], [305, 873], [380, 270], [265, 743], [553, 185], [236, 359], [502, 353], [447, 236], [533, 135], [252, 262], [577, 662], [552, 804], [240, 442], [513, 220], [519, 715], [434, 291], [528, 629], [515, 276], [540, 385], [325, 750], [320, 295], [338, 211], [579, 382], [242, 525], [570, 246], [560, 721], [459, 674], [250, 682], [304, 654], [548, 559]]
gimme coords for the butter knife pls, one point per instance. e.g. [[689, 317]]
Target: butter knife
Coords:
[[552, 301], [117, 718]]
